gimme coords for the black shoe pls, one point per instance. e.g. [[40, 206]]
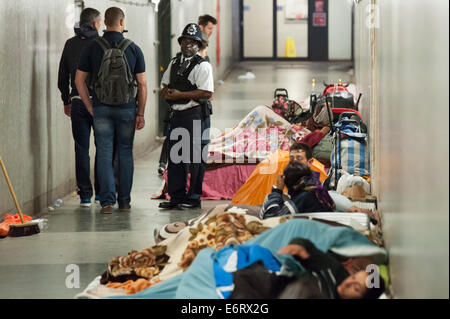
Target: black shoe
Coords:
[[193, 205], [124, 207], [161, 168], [169, 205], [108, 209]]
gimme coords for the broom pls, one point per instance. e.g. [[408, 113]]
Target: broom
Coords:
[[23, 229]]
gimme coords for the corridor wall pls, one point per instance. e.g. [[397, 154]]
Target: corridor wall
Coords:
[[409, 95]]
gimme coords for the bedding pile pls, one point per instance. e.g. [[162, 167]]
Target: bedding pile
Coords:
[[233, 156], [144, 264], [218, 231], [225, 225], [258, 135]]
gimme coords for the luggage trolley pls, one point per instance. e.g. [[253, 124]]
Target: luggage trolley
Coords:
[[346, 117]]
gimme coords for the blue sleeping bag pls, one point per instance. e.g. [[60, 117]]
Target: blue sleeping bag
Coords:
[[205, 280]]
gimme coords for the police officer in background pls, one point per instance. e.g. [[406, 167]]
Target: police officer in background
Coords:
[[188, 80]]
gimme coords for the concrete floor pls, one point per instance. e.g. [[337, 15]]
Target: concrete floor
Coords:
[[37, 266]]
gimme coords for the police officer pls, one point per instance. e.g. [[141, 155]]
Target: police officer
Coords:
[[187, 82]]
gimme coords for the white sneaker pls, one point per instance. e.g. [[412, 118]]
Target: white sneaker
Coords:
[[85, 203]]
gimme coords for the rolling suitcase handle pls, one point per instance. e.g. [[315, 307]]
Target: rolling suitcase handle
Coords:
[[330, 116], [350, 114], [312, 103], [357, 102]]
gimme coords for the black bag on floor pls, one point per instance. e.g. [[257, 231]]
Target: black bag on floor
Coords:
[[341, 99]]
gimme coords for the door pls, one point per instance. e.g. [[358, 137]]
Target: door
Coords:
[[292, 28], [257, 28], [164, 55], [318, 30], [284, 30]]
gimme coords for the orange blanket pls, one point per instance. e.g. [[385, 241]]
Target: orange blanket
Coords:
[[260, 183], [130, 286]]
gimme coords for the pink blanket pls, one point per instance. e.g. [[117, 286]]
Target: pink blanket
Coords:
[[220, 183]]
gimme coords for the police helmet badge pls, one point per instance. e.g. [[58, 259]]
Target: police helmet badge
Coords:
[[192, 29]]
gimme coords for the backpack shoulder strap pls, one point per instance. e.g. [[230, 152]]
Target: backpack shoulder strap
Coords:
[[124, 44], [103, 43]]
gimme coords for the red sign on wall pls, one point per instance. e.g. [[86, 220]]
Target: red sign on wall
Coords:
[[319, 5], [319, 19]]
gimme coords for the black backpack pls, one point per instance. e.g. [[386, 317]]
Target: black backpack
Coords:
[[115, 84]]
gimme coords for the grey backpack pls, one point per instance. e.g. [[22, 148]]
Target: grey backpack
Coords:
[[115, 84]]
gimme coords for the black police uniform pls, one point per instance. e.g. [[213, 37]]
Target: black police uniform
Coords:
[[195, 120]]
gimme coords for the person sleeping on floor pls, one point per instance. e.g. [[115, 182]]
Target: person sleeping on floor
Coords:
[[325, 277], [307, 194]]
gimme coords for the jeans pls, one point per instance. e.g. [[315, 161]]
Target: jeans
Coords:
[[110, 121], [81, 131]]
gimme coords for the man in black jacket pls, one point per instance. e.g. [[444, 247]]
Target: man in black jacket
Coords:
[[325, 278], [86, 31]]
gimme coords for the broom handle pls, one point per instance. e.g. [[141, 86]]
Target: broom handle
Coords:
[[11, 190]]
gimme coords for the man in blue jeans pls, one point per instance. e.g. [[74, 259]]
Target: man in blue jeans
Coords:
[[86, 31], [111, 119]]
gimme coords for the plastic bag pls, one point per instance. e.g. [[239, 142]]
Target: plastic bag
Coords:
[[347, 180], [11, 220]]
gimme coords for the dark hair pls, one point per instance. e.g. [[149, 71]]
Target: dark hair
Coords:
[[204, 19], [88, 16], [294, 172], [375, 293], [113, 16], [303, 147], [305, 287]]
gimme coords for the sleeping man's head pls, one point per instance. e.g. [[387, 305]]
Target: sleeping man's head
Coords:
[[353, 287], [356, 287], [301, 153]]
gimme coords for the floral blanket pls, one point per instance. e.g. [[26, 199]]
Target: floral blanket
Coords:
[[258, 135]]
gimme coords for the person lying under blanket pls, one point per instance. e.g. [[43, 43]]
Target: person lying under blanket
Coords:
[[299, 153], [325, 278], [211, 275], [307, 195]]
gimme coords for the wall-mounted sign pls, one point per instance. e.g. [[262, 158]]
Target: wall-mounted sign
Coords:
[[296, 9], [319, 19], [319, 4]]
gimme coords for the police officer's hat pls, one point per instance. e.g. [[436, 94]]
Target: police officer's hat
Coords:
[[192, 31]]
